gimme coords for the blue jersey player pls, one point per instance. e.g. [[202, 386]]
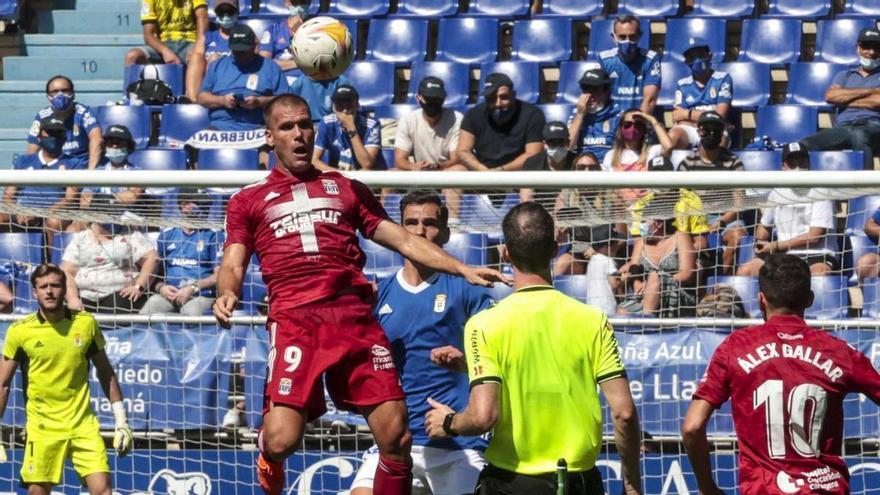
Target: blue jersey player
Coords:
[[704, 90], [634, 70], [423, 313]]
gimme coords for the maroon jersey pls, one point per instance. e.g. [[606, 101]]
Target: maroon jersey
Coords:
[[787, 383], [304, 231]]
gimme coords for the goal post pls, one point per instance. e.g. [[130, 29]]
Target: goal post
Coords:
[[182, 375]]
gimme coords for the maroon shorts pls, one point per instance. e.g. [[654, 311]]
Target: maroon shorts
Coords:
[[339, 339]]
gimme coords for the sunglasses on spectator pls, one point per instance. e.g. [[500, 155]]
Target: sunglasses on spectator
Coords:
[[629, 123]]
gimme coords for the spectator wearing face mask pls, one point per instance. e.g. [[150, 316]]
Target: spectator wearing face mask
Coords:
[[635, 71], [704, 90], [592, 126], [82, 141], [348, 139], [118, 146], [855, 94], [275, 41], [502, 132], [556, 154], [51, 138], [215, 44]]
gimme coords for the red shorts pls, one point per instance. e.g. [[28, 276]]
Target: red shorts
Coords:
[[339, 339]]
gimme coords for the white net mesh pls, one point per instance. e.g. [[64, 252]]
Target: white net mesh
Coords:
[[184, 378]]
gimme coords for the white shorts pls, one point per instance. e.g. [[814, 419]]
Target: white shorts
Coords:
[[437, 471], [692, 133]]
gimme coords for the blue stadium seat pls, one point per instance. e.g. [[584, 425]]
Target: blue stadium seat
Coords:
[[568, 90], [228, 159], [859, 210], [724, 9], [601, 39], [871, 297], [455, 76], [252, 291], [745, 287], [20, 253], [177, 123], [467, 40], [468, 247], [525, 77], [542, 40], [746, 250], [836, 39], [374, 82], [557, 111], [393, 112], [391, 203], [761, 161], [800, 9], [424, 9], [136, 118], [671, 71], [786, 123], [854, 248], [397, 40], [836, 161], [159, 159], [751, 83], [261, 24], [171, 74], [255, 343], [867, 8], [647, 9], [770, 41], [477, 209], [499, 9], [807, 82], [59, 241], [9, 10], [381, 262], [571, 9], [831, 297], [574, 286], [358, 8], [680, 31], [276, 8]]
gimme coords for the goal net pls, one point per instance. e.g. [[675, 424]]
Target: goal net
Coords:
[[675, 252]]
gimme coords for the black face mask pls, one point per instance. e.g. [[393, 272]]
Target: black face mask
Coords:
[[711, 139], [431, 109], [503, 117]]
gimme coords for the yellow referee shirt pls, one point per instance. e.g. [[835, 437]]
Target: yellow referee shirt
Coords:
[[548, 352], [55, 361], [176, 18]]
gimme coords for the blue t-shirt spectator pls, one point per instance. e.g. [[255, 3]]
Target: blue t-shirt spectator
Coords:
[[79, 125], [691, 96], [317, 94], [337, 145], [216, 44], [853, 79], [597, 130], [108, 165], [39, 196], [261, 78], [631, 78], [189, 257], [276, 40]]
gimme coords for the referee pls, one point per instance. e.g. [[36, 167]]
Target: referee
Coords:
[[534, 361]]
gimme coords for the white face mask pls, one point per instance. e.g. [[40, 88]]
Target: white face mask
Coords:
[[557, 153], [869, 64]]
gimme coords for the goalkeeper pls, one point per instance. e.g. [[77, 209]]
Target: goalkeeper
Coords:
[[54, 347]]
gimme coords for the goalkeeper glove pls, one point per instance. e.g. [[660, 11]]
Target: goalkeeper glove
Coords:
[[122, 439]]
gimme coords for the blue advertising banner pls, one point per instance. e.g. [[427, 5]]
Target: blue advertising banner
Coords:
[[228, 472]]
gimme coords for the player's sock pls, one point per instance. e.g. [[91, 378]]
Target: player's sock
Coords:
[[392, 477]]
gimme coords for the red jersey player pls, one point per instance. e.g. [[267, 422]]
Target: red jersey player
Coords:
[[303, 226], [787, 383]]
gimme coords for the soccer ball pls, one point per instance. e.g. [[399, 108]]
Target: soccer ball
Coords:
[[322, 48]]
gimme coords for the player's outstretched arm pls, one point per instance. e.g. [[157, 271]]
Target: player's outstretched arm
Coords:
[[229, 280], [425, 252], [693, 433], [7, 372], [627, 435], [122, 439]]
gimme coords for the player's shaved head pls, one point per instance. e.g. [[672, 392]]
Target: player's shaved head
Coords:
[[784, 280], [285, 101], [529, 237]]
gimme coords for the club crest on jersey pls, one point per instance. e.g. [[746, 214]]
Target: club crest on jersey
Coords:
[[439, 303], [330, 186], [285, 385], [77, 340], [200, 246], [382, 358]]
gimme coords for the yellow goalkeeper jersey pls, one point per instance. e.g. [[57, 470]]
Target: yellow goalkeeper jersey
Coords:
[[55, 361], [176, 18], [548, 352]]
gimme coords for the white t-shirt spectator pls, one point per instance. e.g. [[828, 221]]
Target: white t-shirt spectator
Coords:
[[792, 220], [599, 291], [629, 159], [105, 267], [425, 143]]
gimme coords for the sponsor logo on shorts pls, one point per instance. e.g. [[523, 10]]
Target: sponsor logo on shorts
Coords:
[[823, 478], [382, 358], [284, 386]]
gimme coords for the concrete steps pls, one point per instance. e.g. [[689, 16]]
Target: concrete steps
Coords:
[[121, 20], [78, 67]]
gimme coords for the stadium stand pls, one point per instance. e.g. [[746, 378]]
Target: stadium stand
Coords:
[[170, 74], [751, 83], [647, 9], [859, 210], [271, 8], [711, 30], [836, 161], [358, 8], [723, 8], [808, 81], [455, 76], [397, 40], [501, 9], [770, 41], [177, 123], [835, 39], [786, 123], [159, 159], [798, 8], [831, 297], [542, 40], [467, 40], [138, 119], [19, 251], [557, 111], [394, 112], [374, 81], [867, 8], [671, 72], [573, 9], [426, 9], [525, 77], [228, 159]]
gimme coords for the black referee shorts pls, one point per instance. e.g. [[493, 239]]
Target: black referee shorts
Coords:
[[496, 481]]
